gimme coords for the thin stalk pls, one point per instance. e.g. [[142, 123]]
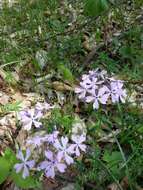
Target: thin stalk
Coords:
[[10, 63], [110, 173], [125, 161]]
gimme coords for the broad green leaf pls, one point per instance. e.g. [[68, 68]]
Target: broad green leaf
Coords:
[[66, 73], [128, 52], [6, 164], [11, 107], [113, 157], [41, 58], [10, 156], [113, 161], [95, 7], [27, 183], [4, 169]]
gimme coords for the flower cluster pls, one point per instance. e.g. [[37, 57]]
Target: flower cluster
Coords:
[[97, 87], [31, 117], [58, 152]]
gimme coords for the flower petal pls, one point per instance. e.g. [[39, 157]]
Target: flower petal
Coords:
[[77, 152], [82, 147], [30, 163], [50, 172], [25, 172], [49, 155], [95, 104], [82, 95], [103, 99], [27, 124], [64, 141], [78, 90], [60, 155], [57, 144], [43, 165], [38, 115], [81, 139], [28, 154], [18, 167], [61, 167], [75, 138], [89, 99], [20, 155], [37, 124], [69, 160], [71, 149]]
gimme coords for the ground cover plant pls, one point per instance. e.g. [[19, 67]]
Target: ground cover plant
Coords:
[[71, 104]]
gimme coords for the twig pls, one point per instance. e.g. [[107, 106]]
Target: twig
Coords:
[[108, 137], [109, 172], [43, 78], [101, 45], [124, 159], [92, 54], [72, 180], [73, 30], [10, 63], [134, 81]]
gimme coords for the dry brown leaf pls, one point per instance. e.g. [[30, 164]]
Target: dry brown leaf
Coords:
[[2, 74], [26, 99], [4, 98], [69, 186], [50, 184], [113, 186], [22, 135], [109, 137], [78, 126], [61, 86], [139, 188], [125, 183]]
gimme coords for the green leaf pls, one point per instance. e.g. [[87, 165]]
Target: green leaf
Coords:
[[6, 164], [66, 73], [4, 169], [27, 183], [95, 7], [113, 161], [41, 58], [114, 156], [126, 51], [11, 107], [10, 156]]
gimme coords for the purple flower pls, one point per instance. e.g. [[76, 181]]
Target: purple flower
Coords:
[[64, 150], [85, 86], [117, 92], [25, 165], [43, 106], [78, 144], [121, 93], [29, 118], [92, 83], [36, 141], [99, 74], [96, 97], [51, 138], [82, 90], [50, 164], [98, 87], [91, 75], [85, 77]]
